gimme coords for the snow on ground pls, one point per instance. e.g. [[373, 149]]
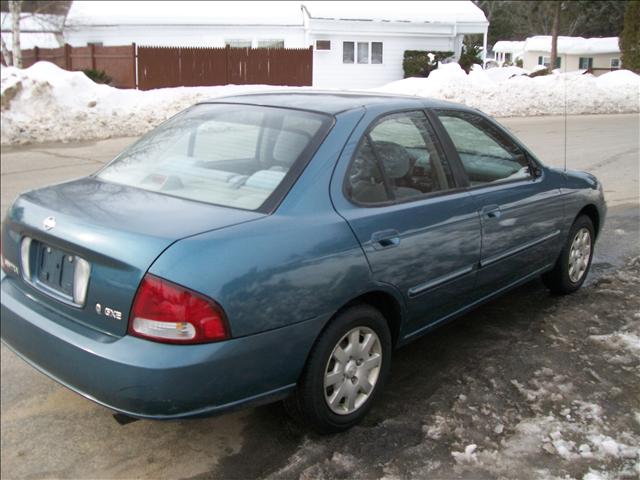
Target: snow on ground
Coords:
[[506, 92], [45, 103], [501, 74], [536, 397]]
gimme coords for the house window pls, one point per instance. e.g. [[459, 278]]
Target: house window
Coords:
[[585, 63], [546, 61], [363, 52], [323, 44], [507, 57], [376, 52], [347, 52], [615, 63], [271, 43], [238, 43]]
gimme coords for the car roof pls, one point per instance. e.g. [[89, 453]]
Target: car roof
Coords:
[[331, 102]]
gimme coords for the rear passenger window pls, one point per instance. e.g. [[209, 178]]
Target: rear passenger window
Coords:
[[487, 155], [398, 158]]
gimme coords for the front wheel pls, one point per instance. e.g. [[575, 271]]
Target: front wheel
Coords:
[[574, 262], [345, 371]]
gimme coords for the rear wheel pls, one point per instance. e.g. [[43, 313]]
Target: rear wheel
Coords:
[[345, 372], [574, 262]]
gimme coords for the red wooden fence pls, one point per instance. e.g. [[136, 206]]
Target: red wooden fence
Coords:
[[196, 66], [118, 62], [157, 67]]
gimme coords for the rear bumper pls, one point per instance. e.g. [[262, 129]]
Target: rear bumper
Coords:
[[152, 380]]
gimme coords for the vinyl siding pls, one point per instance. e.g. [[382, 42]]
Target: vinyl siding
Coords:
[[571, 63], [159, 35], [330, 72]]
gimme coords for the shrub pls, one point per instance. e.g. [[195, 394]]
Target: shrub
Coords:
[[519, 62], [470, 55], [98, 76], [540, 73], [419, 63]]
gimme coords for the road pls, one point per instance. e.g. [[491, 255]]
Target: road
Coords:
[[427, 411]]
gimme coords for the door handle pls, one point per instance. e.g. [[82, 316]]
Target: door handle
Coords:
[[491, 211], [385, 239]]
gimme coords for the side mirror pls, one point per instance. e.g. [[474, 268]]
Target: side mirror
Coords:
[[535, 171]]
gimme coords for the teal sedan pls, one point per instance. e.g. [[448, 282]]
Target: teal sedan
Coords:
[[280, 246]]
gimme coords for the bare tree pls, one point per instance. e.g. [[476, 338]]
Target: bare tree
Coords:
[[554, 35], [14, 9], [46, 16], [6, 54]]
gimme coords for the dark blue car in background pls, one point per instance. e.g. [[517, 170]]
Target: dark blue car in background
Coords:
[[280, 246]]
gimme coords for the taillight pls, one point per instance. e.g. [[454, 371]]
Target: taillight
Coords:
[[166, 312]]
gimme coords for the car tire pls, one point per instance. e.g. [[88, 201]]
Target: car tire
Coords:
[[329, 407], [572, 266]]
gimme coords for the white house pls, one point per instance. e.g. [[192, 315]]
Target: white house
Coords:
[[507, 51], [356, 44], [599, 55], [574, 53]]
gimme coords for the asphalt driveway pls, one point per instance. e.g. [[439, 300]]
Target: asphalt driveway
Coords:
[[500, 393]]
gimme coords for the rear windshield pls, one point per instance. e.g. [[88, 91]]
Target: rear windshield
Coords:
[[240, 156]]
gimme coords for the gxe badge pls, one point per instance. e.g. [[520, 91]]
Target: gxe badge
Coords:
[[108, 312]]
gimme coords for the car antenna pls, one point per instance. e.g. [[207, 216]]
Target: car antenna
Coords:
[[565, 119]]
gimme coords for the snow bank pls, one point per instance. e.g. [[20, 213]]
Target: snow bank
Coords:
[[505, 92], [45, 103], [617, 78], [504, 73]]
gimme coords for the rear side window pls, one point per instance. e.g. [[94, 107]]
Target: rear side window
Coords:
[[230, 155], [487, 155], [398, 159]]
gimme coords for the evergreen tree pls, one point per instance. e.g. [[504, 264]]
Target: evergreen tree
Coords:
[[470, 55], [517, 20]]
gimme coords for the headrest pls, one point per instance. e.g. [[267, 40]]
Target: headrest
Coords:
[[365, 166], [288, 147], [395, 158]]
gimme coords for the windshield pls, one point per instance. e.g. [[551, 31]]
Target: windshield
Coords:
[[225, 154]]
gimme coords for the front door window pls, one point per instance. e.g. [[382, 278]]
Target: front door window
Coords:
[[486, 154]]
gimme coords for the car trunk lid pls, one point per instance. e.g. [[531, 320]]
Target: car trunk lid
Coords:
[[119, 230]]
